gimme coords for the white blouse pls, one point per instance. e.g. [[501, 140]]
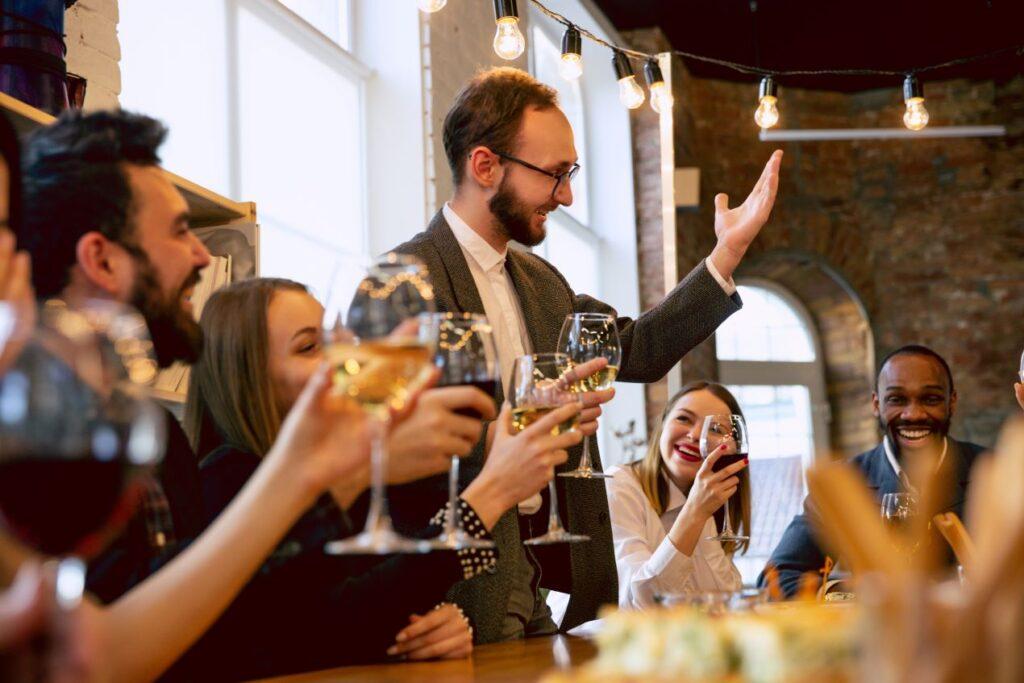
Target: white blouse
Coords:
[[648, 563]]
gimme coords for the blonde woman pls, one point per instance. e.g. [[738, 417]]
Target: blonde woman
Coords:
[[665, 506]]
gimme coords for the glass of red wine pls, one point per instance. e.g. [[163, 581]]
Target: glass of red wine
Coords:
[[730, 430], [75, 433], [466, 356]]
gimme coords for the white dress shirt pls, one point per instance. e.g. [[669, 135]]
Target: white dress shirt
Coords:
[[648, 562], [898, 469], [501, 306]]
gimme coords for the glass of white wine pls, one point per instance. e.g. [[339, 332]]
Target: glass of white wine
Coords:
[[543, 382], [586, 337], [380, 348]]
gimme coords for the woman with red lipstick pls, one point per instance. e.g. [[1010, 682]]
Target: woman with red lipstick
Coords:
[[665, 507]]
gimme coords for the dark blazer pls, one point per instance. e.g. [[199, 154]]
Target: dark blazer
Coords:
[[651, 345], [799, 552]]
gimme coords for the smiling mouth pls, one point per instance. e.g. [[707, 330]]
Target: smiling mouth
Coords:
[[686, 452], [913, 435]]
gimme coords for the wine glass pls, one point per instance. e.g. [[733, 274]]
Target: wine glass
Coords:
[[76, 434], [1021, 371], [467, 356], [585, 337], [543, 382], [898, 508], [731, 430], [380, 349]]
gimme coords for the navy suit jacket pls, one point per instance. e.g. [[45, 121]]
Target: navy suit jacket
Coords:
[[799, 551]]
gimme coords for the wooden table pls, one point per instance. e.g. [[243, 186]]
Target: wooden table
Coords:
[[520, 660]]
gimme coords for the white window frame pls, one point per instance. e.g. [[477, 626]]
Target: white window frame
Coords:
[[810, 374]]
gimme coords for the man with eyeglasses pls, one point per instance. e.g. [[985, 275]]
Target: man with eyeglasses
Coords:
[[511, 152]]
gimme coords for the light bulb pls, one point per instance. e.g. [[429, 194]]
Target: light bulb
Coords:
[[431, 5], [767, 114], [916, 116], [630, 92], [570, 66], [661, 98], [509, 42]]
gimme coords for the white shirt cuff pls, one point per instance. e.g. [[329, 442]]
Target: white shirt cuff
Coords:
[[530, 505], [728, 285]]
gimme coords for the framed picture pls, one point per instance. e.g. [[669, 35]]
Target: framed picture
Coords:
[[240, 241]]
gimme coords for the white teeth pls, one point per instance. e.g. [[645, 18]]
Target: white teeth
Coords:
[[914, 434]]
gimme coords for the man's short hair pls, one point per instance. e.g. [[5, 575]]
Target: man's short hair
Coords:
[[488, 112], [916, 350], [75, 182]]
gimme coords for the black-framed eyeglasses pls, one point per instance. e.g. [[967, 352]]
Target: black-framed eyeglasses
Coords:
[[564, 176]]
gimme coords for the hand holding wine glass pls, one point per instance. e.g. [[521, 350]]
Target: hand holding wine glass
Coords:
[[519, 464], [714, 484], [726, 435]]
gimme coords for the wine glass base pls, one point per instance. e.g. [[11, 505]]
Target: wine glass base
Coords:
[[459, 540], [381, 542], [585, 474], [728, 538], [560, 536]]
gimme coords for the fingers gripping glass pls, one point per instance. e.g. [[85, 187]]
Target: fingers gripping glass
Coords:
[[467, 356], [563, 177], [541, 383], [586, 337], [379, 357], [730, 430]]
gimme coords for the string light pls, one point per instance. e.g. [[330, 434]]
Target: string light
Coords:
[[630, 93], [767, 114], [509, 42], [571, 64], [431, 5], [916, 116], [661, 93]]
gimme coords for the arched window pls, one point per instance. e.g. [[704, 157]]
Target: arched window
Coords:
[[770, 358]]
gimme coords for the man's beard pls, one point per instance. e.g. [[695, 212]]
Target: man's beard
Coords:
[[939, 428], [513, 217], [175, 333]]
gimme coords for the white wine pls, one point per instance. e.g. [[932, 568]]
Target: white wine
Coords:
[[602, 379], [379, 374], [524, 417]]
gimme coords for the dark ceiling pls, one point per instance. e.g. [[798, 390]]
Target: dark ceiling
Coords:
[[829, 34]]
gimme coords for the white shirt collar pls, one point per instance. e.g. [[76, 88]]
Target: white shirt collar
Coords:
[[895, 464], [476, 246]]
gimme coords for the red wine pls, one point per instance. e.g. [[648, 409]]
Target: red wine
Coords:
[[726, 460], [488, 386], [64, 506]]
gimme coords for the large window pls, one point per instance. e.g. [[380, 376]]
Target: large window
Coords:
[[768, 357], [264, 103]]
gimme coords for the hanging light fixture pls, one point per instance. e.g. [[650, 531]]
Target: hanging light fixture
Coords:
[[571, 65], [630, 93], [916, 116], [767, 114], [661, 93], [509, 42], [429, 6]]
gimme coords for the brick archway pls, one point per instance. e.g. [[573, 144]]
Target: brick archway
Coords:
[[845, 335]]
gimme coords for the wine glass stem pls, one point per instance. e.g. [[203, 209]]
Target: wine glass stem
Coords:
[[554, 525], [377, 518], [453, 498], [727, 527], [585, 458]]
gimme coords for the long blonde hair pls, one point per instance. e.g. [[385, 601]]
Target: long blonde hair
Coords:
[[230, 398], [653, 478]]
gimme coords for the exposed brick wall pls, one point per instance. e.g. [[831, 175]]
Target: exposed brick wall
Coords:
[[94, 50], [465, 31], [928, 235]]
